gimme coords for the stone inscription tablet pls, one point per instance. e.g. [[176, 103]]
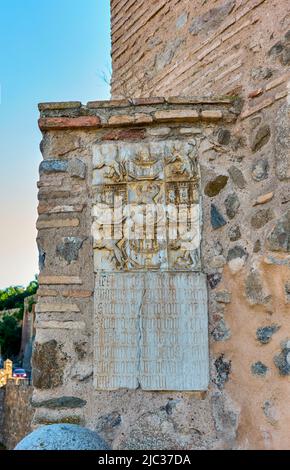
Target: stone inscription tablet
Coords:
[[151, 331], [151, 323]]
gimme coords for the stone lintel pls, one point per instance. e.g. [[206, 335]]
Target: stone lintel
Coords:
[[138, 111]]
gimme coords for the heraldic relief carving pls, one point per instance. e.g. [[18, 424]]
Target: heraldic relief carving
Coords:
[[150, 294]]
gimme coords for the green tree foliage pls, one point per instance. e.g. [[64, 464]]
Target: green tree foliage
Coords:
[[13, 297], [10, 337], [10, 325]]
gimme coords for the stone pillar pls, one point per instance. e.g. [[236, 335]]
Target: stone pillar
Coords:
[[123, 321]]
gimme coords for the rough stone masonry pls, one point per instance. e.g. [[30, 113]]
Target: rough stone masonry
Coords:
[[239, 51]]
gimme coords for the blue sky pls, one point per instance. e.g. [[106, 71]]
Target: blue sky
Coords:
[[50, 50]]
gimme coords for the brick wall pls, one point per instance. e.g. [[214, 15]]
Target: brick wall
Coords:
[[241, 49], [197, 48]]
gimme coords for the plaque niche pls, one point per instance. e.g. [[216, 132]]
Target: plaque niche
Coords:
[[151, 321]]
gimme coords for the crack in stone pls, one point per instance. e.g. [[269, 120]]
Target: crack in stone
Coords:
[[139, 341]]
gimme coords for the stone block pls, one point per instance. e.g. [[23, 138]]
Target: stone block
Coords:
[[59, 280], [77, 168], [212, 115], [60, 325], [279, 239], [69, 248], [52, 123], [48, 362], [53, 166], [177, 115], [59, 308], [217, 220], [57, 223]]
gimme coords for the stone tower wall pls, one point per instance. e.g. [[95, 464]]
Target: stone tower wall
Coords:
[[239, 49]]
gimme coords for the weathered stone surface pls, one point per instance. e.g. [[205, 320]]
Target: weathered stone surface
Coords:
[[218, 248], [57, 223], [189, 130], [214, 280], [159, 131], [48, 363], [234, 233], [255, 93], [65, 437], [60, 325], [109, 425], [282, 361], [53, 166], [64, 105], [155, 427], [279, 239], [77, 294], [276, 49], [237, 177], [61, 403], [124, 134], [49, 193], [270, 411], [181, 21], [287, 291], [261, 137], [217, 262], [47, 421], [212, 115], [236, 252], [285, 56], [165, 57], [179, 368], [260, 170], [43, 292], [254, 289], [217, 220], [59, 280], [77, 168], [223, 368], [223, 136], [215, 186], [69, 248], [232, 205], [224, 297], [211, 19], [51, 123], [53, 209], [226, 418], [41, 257], [42, 307], [127, 119], [264, 199], [265, 333], [81, 348], [257, 246], [261, 73], [261, 218], [177, 115], [83, 373], [282, 142], [259, 369], [221, 332]]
